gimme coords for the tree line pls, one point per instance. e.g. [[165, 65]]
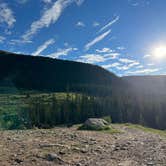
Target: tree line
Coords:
[[76, 108]]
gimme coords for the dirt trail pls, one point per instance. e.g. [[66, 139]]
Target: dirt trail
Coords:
[[68, 146]]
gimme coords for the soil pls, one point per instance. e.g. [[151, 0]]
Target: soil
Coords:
[[71, 147]]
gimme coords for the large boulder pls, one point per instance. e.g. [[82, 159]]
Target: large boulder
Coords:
[[95, 124]]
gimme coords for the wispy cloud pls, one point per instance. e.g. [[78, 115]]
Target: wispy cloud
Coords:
[[113, 65], [6, 15], [61, 52], [136, 3], [2, 39], [96, 58], [125, 60], [80, 24], [112, 55], [147, 56], [110, 23], [49, 17], [120, 48], [91, 58], [18, 41], [108, 53], [22, 1], [96, 40], [139, 67], [144, 71], [128, 66], [104, 50], [96, 24], [125, 64], [150, 64], [43, 47], [47, 1], [79, 2]]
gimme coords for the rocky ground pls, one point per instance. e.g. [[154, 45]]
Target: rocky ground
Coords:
[[70, 147]]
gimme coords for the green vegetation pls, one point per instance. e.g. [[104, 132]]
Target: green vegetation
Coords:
[[14, 108], [107, 119], [94, 128], [45, 110], [146, 129], [112, 131], [27, 97]]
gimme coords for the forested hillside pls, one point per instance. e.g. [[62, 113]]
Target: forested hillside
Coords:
[[155, 85], [88, 91], [38, 73]]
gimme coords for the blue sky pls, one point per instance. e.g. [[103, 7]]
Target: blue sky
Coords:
[[122, 36]]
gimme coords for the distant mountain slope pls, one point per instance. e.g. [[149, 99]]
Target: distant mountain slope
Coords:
[[42, 73], [147, 84]]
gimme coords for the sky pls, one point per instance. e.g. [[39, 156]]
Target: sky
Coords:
[[127, 37]]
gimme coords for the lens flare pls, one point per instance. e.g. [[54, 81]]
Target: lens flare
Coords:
[[160, 52]]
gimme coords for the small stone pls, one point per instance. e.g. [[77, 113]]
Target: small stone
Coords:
[[84, 150], [62, 152], [18, 160], [53, 157]]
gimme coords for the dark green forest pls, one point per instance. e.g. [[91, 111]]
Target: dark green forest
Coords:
[[88, 91]]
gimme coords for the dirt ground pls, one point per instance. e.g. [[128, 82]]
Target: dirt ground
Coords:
[[69, 146]]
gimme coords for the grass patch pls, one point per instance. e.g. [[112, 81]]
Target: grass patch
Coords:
[[108, 130], [112, 131], [146, 129], [94, 128]]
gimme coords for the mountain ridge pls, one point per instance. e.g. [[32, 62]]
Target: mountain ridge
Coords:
[[44, 73], [41, 73]]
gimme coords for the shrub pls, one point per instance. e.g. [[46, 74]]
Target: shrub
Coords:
[[107, 118]]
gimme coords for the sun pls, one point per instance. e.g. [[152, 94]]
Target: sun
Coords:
[[160, 51]]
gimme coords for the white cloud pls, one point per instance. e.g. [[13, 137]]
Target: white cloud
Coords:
[[2, 39], [123, 67], [49, 17], [150, 64], [104, 50], [109, 24], [91, 58], [108, 53], [22, 1], [112, 55], [17, 41], [96, 58], [96, 24], [113, 65], [43, 47], [136, 3], [80, 24], [129, 63], [127, 67], [139, 67], [121, 48], [147, 56], [120, 66], [47, 1], [133, 64], [6, 15], [143, 71], [61, 52], [96, 40], [79, 2], [125, 60]]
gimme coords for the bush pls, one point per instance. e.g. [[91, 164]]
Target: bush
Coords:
[[107, 118]]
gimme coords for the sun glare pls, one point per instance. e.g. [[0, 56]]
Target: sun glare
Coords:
[[160, 51]]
